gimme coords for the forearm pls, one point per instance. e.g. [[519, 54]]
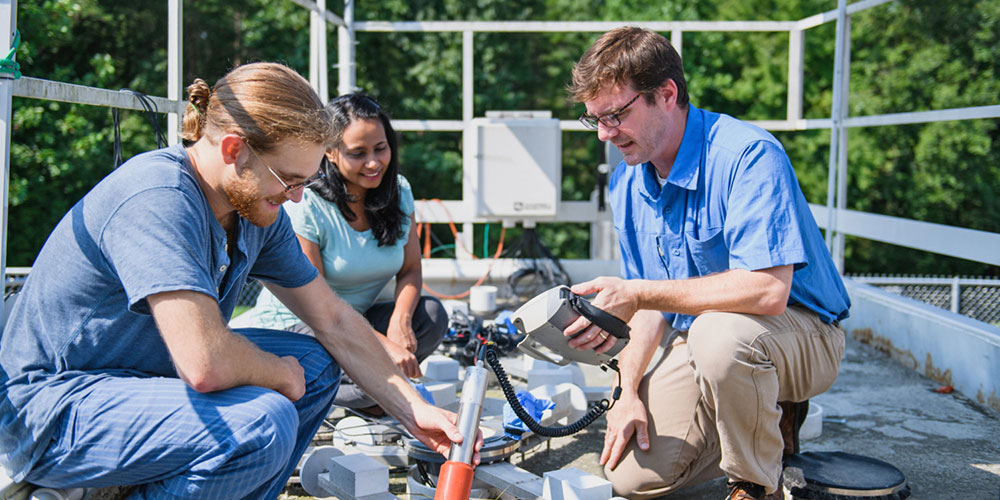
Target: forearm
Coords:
[[234, 361], [736, 290], [207, 355], [350, 339], [366, 360], [646, 332], [407, 295]]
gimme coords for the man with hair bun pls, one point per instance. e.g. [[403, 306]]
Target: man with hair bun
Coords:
[[117, 363], [722, 264]]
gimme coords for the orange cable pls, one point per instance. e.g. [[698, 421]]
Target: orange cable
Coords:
[[454, 230], [503, 232]]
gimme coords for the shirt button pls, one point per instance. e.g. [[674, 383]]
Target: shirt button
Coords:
[[677, 251], [668, 210], [222, 268]]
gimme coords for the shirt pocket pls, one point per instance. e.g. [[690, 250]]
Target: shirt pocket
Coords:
[[707, 248]]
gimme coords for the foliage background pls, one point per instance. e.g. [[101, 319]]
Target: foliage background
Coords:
[[910, 55]]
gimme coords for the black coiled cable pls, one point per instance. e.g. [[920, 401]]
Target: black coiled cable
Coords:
[[595, 411]]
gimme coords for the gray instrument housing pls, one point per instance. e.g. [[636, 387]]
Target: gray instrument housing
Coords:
[[542, 320]]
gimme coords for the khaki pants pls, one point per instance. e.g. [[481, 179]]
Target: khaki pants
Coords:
[[712, 399]]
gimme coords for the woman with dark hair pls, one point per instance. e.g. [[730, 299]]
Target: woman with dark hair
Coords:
[[356, 229]]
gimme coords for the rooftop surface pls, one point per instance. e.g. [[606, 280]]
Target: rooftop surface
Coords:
[[944, 443]]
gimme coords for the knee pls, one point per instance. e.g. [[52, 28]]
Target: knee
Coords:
[[624, 481], [433, 325], [635, 483], [272, 435], [714, 345], [437, 316], [322, 373]]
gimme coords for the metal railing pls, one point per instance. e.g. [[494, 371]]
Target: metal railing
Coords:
[[834, 217], [977, 298], [948, 240]]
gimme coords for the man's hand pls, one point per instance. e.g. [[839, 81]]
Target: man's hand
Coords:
[[295, 387], [402, 358], [400, 331], [628, 417], [437, 429], [615, 297]]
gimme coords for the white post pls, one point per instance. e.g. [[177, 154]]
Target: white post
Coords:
[[175, 61], [845, 97], [837, 119], [468, 111], [8, 26], [318, 72], [467, 76], [345, 51], [677, 39], [796, 42], [956, 295]]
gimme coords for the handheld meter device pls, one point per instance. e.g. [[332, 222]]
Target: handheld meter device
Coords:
[[543, 319]]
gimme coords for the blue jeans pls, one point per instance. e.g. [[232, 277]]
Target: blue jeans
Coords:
[[178, 443]]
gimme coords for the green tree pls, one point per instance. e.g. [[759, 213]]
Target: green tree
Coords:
[[906, 56]]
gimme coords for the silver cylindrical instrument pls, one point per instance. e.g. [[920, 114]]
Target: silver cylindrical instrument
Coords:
[[470, 411]]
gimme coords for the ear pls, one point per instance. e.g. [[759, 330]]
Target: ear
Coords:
[[667, 93], [231, 146]]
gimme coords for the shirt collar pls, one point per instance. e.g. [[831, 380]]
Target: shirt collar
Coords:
[[687, 165]]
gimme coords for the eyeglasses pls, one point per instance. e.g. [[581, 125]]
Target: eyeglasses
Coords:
[[612, 119], [312, 181]]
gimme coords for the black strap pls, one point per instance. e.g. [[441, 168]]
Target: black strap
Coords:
[[599, 317]]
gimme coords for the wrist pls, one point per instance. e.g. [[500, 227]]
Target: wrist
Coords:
[[633, 290], [630, 388], [401, 318]]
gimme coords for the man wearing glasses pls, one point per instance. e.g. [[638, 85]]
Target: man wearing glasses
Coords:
[[117, 365], [723, 262]]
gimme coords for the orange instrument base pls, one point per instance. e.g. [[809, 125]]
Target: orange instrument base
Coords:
[[454, 481]]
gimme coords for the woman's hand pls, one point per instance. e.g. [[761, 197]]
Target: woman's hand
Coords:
[[400, 332]]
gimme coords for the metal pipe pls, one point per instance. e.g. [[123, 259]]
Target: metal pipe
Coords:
[[175, 67], [470, 411], [457, 474], [8, 25], [345, 51]]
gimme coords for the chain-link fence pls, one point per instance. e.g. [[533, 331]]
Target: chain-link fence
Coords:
[[249, 293], [977, 298]]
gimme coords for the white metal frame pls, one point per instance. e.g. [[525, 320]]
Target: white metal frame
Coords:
[[960, 242], [966, 243], [8, 26]]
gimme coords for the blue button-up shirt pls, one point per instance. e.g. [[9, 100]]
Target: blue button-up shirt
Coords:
[[731, 201]]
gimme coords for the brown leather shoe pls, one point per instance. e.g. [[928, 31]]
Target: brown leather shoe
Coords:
[[792, 416], [745, 490]]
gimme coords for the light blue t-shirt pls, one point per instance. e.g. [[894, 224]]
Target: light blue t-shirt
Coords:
[[354, 266], [731, 201], [82, 314]]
